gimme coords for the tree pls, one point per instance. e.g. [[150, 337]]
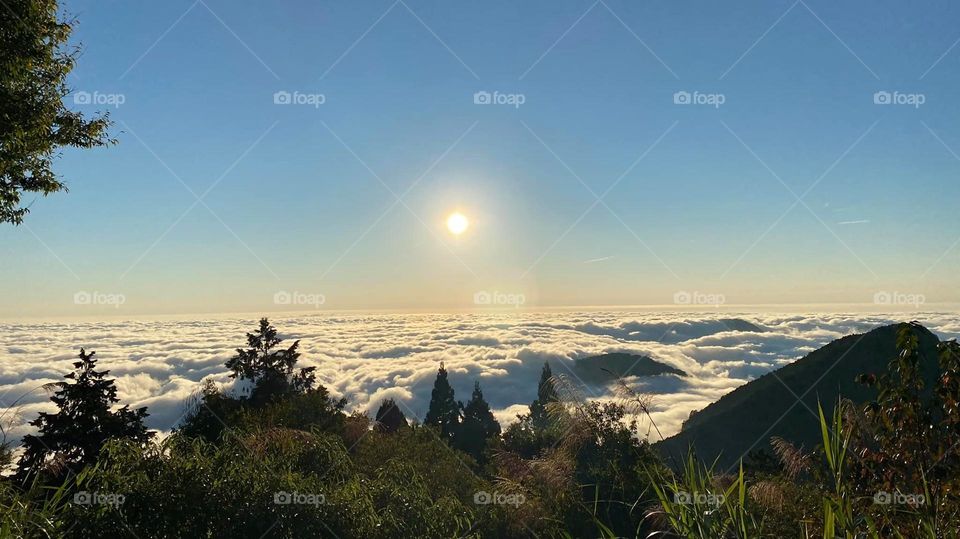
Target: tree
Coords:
[[478, 426], [271, 371], [444, 411], [531, 433], [35, 125], [909, 439], [281, 396], [75, 434], [389, 417], [546, 394]]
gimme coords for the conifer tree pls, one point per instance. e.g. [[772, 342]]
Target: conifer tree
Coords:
[[73, 436], [444, 411], [271, 371], [389, 417], [546, 394], [478, 426]]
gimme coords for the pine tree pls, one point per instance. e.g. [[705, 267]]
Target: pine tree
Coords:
[[271, 371], [389, 417], [546, 394], [444, 411], [74, 435], [478, 426]]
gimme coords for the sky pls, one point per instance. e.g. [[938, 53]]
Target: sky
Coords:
[[604, 152]]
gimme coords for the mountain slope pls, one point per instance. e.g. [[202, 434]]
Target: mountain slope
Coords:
[[744, 420]]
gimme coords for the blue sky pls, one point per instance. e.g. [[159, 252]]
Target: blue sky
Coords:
[[702, 199]]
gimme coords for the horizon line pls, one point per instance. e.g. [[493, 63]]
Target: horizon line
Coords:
[[747, 308]]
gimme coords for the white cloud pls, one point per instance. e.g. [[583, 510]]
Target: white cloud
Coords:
[[367, 358]]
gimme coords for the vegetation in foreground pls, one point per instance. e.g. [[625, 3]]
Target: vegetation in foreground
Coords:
[[35, 59], [284, 459]]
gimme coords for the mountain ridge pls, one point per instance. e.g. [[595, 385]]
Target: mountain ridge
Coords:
[[784, 402], [605, 368]]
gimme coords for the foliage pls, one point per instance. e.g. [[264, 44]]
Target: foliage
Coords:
[[208, 411], [280, 396], [535, 430], [905, 447], [582, 470], [545, 395], [586, 465], [270, 371], [478, 427], [911, 432], [34, 63], [72, 437], [274, 483], [444, 412], [697, 503], [213, 414], [34, 511], [389, 417], [446, 471], [838, 514]]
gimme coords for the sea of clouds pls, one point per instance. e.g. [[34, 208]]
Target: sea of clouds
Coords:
[[367, 358]]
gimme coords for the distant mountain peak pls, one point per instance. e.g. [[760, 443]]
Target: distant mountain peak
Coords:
[[606, 368]]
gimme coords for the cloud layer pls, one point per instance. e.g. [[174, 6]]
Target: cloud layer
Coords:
[[367, 358]]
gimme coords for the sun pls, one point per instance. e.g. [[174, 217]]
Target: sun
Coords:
[[457, 223]]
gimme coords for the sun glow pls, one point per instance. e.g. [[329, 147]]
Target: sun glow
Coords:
[[457, 223]]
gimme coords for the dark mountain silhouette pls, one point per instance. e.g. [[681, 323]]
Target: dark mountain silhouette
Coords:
[[606, 368], [743, 420], [671, 332]]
